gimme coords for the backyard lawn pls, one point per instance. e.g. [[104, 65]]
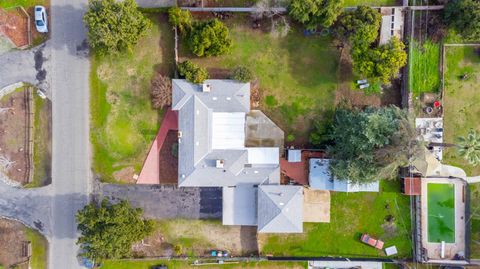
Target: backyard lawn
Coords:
[[424, 67], [39, 249], [297, 74], [123, 122], [461, 99], [351, 215], [124, 264], [23, 3]]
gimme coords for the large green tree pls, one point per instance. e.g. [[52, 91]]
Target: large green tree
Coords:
[[383, 62], [181, 19], [114, 26], [192, 72], [315, 12], [109, 230], [464, 16], [360, 27], [210, 38], [371, 144]]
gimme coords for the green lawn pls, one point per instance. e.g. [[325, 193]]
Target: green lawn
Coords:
[[475, 220], [424, 67], [39, 249], [461, 99], [124, 264], [23, 3], [297, 74], [377, 3], [441, 212], [123, 122], [42, 151], [351, 215]]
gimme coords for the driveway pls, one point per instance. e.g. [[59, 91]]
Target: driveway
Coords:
[[167, 202]]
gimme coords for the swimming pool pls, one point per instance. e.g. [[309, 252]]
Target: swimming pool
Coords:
[[441, 212]]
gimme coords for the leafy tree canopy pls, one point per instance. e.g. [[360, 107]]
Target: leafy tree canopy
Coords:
[[360, 26], [242, 73], [464, 16], [210, 38], [370, 145], [180, 18], [109, 230], [114, 26], [469, 147], [383, 62], [192, 72], [314, 12]]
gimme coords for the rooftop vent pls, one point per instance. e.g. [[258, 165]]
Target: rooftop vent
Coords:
[[220, 163], [206, 87]]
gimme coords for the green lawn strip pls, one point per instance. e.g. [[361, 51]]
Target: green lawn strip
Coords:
[[123, 122], [298, 73], [377, 3], [460, 101], [351, 215], [424, 67], [23, 3], [441, 213], [41, 142], [129, 264], [475, 220], [39, 249]]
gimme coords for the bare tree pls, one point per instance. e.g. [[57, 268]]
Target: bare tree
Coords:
[[161, 91]]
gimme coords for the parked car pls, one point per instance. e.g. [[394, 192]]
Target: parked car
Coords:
[[372, 241], [219, 253], [41, 21]]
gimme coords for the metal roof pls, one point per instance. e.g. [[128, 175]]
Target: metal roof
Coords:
[[240, 205]]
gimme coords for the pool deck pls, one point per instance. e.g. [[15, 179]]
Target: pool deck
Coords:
[[434, 249]]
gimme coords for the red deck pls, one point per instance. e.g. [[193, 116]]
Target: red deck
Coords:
[[298, 172], [150, 173]]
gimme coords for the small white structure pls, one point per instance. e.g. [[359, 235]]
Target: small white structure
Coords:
[[431, 130], [391, 251], [294, 155], [392, 24]]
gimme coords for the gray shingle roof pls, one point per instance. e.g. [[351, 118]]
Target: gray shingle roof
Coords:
[[280, 209]]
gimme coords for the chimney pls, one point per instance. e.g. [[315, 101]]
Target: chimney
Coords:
[[220, 163], [206, 87]]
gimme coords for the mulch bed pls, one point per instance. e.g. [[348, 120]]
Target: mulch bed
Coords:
[[13, 138], [12, 235], [14, 25], [168, 163]]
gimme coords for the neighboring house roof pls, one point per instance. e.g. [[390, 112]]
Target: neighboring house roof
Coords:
[[321, 178], [211, 127], [412, 186], [280, 209], [240, 205]]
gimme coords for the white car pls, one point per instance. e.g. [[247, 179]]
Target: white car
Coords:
[[41, 21]]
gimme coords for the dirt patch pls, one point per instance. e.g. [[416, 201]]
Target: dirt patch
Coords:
[[14, 141], [14, 25], [125, 175], [168, 161], [12, 238]]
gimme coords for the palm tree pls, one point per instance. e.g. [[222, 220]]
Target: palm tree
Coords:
[[469, 147]]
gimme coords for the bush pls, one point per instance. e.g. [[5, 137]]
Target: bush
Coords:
[[180, 18], [192, 72], [314, 12], [242, 73], [178, 249], [464, 16], [209, 38], [114, 26], [161, 91], [290, 138]]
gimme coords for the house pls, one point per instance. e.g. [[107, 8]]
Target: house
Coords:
[[212, 135], [321, 178]]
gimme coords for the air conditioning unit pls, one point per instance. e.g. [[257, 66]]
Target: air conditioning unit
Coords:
[[220, 163], [206, 87]]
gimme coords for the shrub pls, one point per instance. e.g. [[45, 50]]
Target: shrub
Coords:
[[210, 38], [314, 12], [161, 91], [464, 16], [242, 73], [180, 18], [192, 72], [178, 249], [114, 26], [290, 138]]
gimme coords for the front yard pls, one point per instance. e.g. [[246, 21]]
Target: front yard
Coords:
[[297, 75], [351, 215], [123, 122], [460, 100]]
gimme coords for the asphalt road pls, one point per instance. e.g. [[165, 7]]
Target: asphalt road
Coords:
[[71, 173]]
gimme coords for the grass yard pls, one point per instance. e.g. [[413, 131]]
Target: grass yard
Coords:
[[125, 264], [351, 215], [39, 249], [123, 122], [475, 220], [23, 3], [297, 75], [424, 67], [42, 147], [353, 3], [461, 99]]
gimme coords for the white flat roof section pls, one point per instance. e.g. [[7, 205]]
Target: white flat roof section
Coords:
[[263, 155], [228, 130], [240, 205]]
